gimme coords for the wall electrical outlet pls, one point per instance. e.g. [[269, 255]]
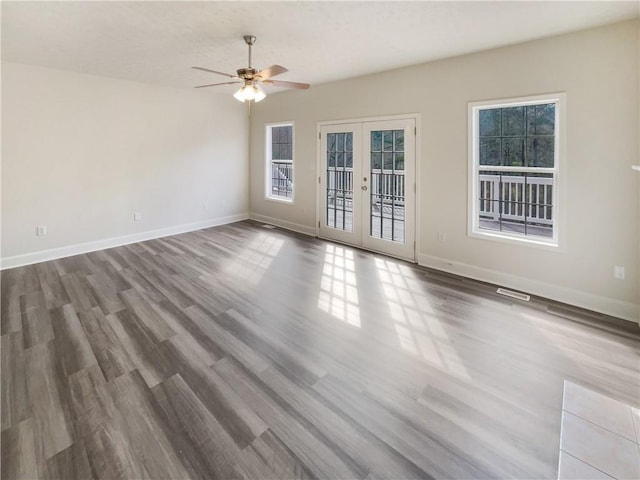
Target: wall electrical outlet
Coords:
[[41, 230], [618, 272], [137, 216]]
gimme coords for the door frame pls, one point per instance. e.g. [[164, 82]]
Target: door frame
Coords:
[[418, 169]]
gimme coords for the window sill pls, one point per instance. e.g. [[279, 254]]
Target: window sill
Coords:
[[286, 201], [515, 239]]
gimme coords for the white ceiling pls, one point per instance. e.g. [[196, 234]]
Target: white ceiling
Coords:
[[158, 42]]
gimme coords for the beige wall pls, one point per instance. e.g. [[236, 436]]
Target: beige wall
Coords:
[[597, 68], [81, 154]]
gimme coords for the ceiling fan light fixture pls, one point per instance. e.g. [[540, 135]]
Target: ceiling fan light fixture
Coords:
[[260, 93], [250, 92], [239, 95]]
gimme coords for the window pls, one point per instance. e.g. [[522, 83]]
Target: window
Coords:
[[515, 154], [279, 171]]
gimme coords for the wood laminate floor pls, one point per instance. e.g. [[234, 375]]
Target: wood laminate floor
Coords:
[[243, 352]]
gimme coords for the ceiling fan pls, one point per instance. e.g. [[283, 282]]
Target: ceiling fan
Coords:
[[250, 78]]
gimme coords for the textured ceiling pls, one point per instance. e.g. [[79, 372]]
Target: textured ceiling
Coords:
[[157, 42]]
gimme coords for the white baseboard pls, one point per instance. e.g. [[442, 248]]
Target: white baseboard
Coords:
[[609, 306], [77, 249], [296, 227]]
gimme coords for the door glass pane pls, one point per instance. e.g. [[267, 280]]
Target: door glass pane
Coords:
[[339, 171], [387, 208]]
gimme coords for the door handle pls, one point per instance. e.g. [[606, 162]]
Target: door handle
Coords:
[[364, 187]]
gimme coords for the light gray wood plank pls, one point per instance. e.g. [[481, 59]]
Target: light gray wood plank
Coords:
[[155, 325], [90, 402], [71, 341], [105, 293], [51, 284], [47, 389], [210, 451], [107, 348], [36, 321], [70, 463], [227, 343], [11, 288], [18, 452], [318, 458], [140, 347], [110, 455], [428, 452], [370, 454], [79, 291], [229, 409], [16, 405], [145, 427]]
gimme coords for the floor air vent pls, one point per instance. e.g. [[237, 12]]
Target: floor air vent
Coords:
[[512, 294], [266, 225]]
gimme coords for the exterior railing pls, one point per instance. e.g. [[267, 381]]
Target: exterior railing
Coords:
[[531, 200], [388, 184], [282, 179], [385, 183]]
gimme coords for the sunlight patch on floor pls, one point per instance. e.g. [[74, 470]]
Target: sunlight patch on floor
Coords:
[[338, 287], [418, 330], [254, 260]]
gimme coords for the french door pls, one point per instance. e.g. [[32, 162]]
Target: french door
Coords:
[[367, 178]]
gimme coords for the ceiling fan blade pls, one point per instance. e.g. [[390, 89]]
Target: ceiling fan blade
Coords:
[[216, 84], [281, 83], [213, 71], [271, 71]]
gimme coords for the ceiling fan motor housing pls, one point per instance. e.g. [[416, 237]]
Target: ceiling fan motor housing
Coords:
[[247, 73]]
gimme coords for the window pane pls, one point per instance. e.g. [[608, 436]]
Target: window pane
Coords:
[[387, 140], [376, 141], [513, 121], [541, 119], [540, 152], [348, 142], [489, 122], [399, 161], [331, 142], [331, 159], [387, 161], [398, 136], [376, 160], [490, 151], [280, 172], [348, 159], [282, 143], [518, 203], [513, 152], [340, 142], [339, 159]]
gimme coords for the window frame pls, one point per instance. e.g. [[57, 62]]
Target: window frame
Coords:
[[269, 160], [556, 242]]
